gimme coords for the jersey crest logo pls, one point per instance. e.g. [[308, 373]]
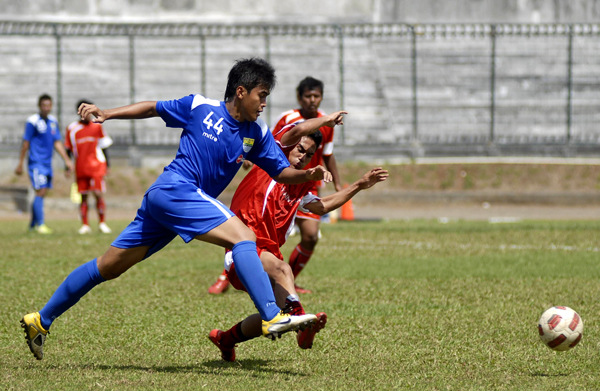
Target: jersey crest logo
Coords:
[[41, 126], [248, 144], [240, 159]]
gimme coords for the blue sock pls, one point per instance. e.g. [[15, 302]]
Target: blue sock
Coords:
[[37, 211], [77, 284], [250, 271]]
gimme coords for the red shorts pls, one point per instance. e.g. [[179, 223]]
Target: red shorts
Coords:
[[232, 275], [87, 184]]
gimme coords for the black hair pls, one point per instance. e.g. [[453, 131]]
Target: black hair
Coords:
[[44, 97], [250, 73], [317, 137], [309, 83], [82, 101]]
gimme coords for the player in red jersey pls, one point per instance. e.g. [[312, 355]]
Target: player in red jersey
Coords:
[[87, 141], [309, 95], [269, 209]]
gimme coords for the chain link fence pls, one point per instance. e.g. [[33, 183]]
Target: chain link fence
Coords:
[[404, 85]]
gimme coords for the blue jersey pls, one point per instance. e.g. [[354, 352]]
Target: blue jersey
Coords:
[[41, 134], [214, 145]]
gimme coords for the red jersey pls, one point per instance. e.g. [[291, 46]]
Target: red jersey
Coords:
[[87, 142], [326, 147], [268, 207]]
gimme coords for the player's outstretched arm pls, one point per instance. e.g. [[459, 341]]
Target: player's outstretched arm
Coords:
[[309, 126], [335, 200], [291, 176], [138, 110]]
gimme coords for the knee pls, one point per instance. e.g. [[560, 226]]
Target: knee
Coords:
[[108, 271], [310, 238], [276, 268], [247, 235], [114, 263]]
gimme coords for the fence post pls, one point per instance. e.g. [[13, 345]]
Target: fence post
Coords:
[[58, 75], [268, 58], [132, 84], [341, 70], [569, 83], [202, 63], [415, 107], [493, 85]]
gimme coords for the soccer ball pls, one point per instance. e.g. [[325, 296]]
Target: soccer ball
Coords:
[[560, 328]]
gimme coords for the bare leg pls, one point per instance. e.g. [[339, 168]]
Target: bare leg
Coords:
[[309, 230]]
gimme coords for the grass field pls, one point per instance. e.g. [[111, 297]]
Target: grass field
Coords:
[[412, 305]]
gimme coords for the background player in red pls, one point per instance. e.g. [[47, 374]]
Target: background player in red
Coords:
[[87, 141], [310, 95], [269, 209]]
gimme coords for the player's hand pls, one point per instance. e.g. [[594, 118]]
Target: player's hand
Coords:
[[336, 118], [19, 170], [319, 173], [70, 168], [372, 177], [247, 164], [85, 110]]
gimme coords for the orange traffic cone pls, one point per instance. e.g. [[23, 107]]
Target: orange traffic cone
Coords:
[[347, 211]]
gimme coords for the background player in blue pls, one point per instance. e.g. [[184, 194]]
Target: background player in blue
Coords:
[[41, 138], [217, 137]]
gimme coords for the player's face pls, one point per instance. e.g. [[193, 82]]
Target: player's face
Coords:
[[254, 103], [301, 155], [309, 101], [45, 107]]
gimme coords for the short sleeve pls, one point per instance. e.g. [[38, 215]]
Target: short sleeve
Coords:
[[105, 142], [175, 113], [29, 131], [279, 135], [327, 141], [307, 199], [68, 140], [56, 134]]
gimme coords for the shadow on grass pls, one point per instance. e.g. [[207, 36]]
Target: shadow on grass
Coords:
[[543, 374], [207, 367]]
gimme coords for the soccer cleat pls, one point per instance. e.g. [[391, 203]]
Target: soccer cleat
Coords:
[[104, 228], [220, 286], [306, 337], [43, 229], [282, 323], [34, 333], [85, 229], [299, 289], [226, 354]]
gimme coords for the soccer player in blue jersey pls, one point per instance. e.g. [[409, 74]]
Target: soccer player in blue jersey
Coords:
[[217, 137], [41, 138]]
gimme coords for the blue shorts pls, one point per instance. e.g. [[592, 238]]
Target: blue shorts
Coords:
[[40, 177], [172, 209]]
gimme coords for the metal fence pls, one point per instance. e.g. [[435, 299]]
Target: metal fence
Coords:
[[402, 84]]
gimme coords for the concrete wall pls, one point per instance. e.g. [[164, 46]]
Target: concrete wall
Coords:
[[241, 11]]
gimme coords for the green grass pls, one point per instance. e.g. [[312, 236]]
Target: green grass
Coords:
[[411, 305]]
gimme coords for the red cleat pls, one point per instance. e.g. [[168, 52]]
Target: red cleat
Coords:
[[299, 289], [220, 286], [307, 336], [226, 354]]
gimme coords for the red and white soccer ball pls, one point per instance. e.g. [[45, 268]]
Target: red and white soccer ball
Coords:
[[560, 328]]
